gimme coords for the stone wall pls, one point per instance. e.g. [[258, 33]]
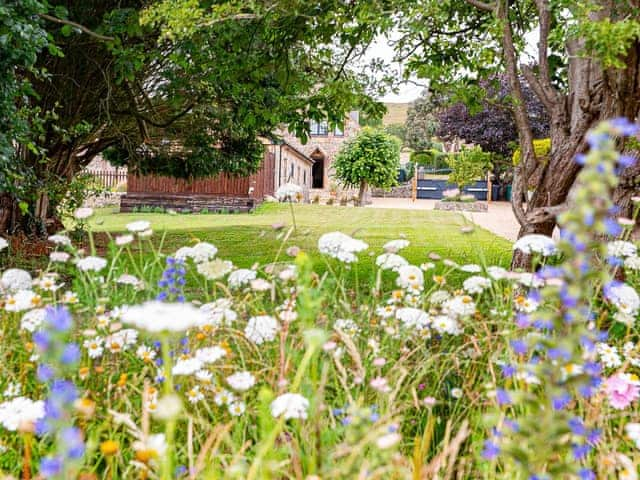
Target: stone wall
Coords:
[[401, 191], [107, 199], [188, 203]]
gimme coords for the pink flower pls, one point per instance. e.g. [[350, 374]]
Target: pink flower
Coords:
[[621, 389], [380, 384]]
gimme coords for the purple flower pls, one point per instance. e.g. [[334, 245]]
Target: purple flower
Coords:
[[522, 320], [74, 444], [561, 401], [626, 161], [624, 127], [586, 474], [50, 467], [508, 370], [594, 435], [519, 347], [576, 425], [502, 397], [490, 450], [44, 373], [59, 318], [581, 451], [612, 227], [64, 390], [42, 339], [70, 354]]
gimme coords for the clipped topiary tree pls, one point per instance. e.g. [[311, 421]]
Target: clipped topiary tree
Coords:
[[372, 158]]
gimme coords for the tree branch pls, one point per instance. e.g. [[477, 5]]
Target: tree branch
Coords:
[[84, 29], [487, 7], [528, 157]]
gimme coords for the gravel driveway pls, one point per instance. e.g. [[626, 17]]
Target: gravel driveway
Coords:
[[499, 219]]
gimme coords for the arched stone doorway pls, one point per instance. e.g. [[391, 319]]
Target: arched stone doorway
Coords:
[[317, 171]]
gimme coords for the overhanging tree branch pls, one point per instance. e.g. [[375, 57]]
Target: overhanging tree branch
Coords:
[[82, 28], [482, 5]]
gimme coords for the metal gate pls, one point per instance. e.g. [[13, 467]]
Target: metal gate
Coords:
[[432, 189]]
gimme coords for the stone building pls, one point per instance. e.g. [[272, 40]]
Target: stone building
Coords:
[[322, 147]]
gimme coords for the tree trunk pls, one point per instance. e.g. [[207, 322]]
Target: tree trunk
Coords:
[[361, 193], [594, 94]]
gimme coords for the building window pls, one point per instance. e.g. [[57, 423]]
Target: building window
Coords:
[[319, 128], [304, 176], [338, 132], [291, 172]]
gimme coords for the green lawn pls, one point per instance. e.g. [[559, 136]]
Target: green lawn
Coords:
[[249, 238]]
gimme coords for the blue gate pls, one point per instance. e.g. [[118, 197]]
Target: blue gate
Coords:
[[432, 188]]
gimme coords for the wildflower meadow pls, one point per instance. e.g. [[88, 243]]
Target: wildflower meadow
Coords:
[[141, 363]]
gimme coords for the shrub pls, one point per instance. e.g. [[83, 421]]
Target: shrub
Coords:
[[541, 147], [372, 158], [468, 166]]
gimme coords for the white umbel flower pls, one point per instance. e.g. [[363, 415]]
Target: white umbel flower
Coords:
[[59, 257], [290, 405], [340, 246], [536, 243], [391, 261], [241, 381], [218, 313], [186, 366], [476, 284], [210, 354], [413, 317], [15, 279], [288, 192], [21, 413], [201, 252], [122, 240], [241, 277], [632, 263], [621, 249], [262, 328], [394, 246], [138, 226], [156, 316], [60, 239], [214, 269], [33, 320], [91, 264], [83, 213], [497, 273], [624, 297], [3, 244]]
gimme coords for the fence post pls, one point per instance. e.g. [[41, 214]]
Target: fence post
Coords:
[[414, 183]]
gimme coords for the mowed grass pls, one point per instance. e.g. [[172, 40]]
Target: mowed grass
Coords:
[[247, 239]]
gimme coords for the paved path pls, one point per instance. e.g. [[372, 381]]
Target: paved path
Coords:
[[499, 219]]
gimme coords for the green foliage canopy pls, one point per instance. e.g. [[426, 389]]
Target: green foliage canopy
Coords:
[[371, 158], [468, 166]]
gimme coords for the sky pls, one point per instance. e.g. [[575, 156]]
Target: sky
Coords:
[[408, 91]]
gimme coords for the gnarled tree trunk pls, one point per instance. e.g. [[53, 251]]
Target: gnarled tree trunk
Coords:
[[594, 94]]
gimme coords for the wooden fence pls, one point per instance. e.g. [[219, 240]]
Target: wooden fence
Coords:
[[109, 178]]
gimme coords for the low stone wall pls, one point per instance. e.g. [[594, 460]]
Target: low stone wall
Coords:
[[401, 191], [108, 199], [462, 206], [188, 203]]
